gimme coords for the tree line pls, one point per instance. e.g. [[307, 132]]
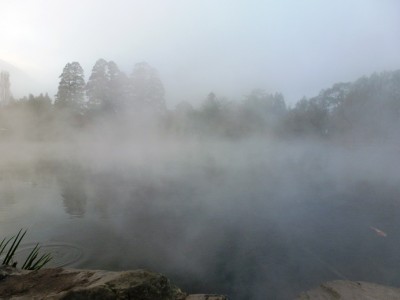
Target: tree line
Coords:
[[367, 109], [108, 89]]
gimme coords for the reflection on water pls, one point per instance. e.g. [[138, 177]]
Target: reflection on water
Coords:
[[244, 223], [72, 184]]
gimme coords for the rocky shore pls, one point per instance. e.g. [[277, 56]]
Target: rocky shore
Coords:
[[351, 290], [72, 284]]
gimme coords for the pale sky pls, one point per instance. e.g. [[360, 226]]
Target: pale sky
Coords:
[[229, 47]]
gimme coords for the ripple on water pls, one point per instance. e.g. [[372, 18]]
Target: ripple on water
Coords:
[[64, 254]]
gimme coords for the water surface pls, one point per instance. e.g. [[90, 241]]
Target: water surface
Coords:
[[251, 219]]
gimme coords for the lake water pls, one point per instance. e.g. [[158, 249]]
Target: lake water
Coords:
[[251, 219]]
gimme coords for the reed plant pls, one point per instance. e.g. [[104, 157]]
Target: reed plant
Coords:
[[32, 262]]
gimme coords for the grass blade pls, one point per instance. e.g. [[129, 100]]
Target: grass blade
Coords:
[[44, 259], [32, 259], [32, 262], [1, 244], [28, 259], [5, 245], [14, 246], [7, 257]]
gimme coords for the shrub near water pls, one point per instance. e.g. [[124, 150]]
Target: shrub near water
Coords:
[[32, 262]]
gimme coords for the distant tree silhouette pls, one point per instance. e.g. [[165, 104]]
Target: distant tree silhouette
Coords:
[[39, 104], [5, 93], [106, 88], [97, 85], [118, 86], [308, 117], [261, 111], [367, 109], [146, 89], [371, 107]]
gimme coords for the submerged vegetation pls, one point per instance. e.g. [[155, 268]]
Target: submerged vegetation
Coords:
[[32, 262]]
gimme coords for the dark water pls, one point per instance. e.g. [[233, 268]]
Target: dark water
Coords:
[[251, 220]]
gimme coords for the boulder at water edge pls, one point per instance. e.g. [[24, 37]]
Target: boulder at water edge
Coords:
[[351, 290], [71, 284]]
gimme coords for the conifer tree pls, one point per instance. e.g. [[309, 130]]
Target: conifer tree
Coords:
[[96, 87], [71, 88], [146, 88], [106, 87]]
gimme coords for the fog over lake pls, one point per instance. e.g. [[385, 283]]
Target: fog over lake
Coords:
[[254, 218], [244, 148]]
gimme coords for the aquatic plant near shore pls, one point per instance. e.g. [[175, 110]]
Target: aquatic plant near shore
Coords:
[[32, 262]]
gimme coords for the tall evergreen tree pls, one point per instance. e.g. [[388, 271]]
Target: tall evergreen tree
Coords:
[[71, 88], [146, 88], [96, 87], [106, 87], [117, 86]]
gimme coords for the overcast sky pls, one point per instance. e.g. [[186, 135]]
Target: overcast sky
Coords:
[[198, 46]]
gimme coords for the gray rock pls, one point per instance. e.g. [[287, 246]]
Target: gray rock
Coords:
[[205, 297], [72, 284], [351, 290], [6, 270]]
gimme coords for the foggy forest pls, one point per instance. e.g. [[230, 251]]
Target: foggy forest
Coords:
[[251, 198]]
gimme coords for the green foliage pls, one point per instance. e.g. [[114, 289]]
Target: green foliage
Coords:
[[32, 262]]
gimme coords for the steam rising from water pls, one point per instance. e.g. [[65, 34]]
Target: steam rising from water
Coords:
[[254, 218]]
